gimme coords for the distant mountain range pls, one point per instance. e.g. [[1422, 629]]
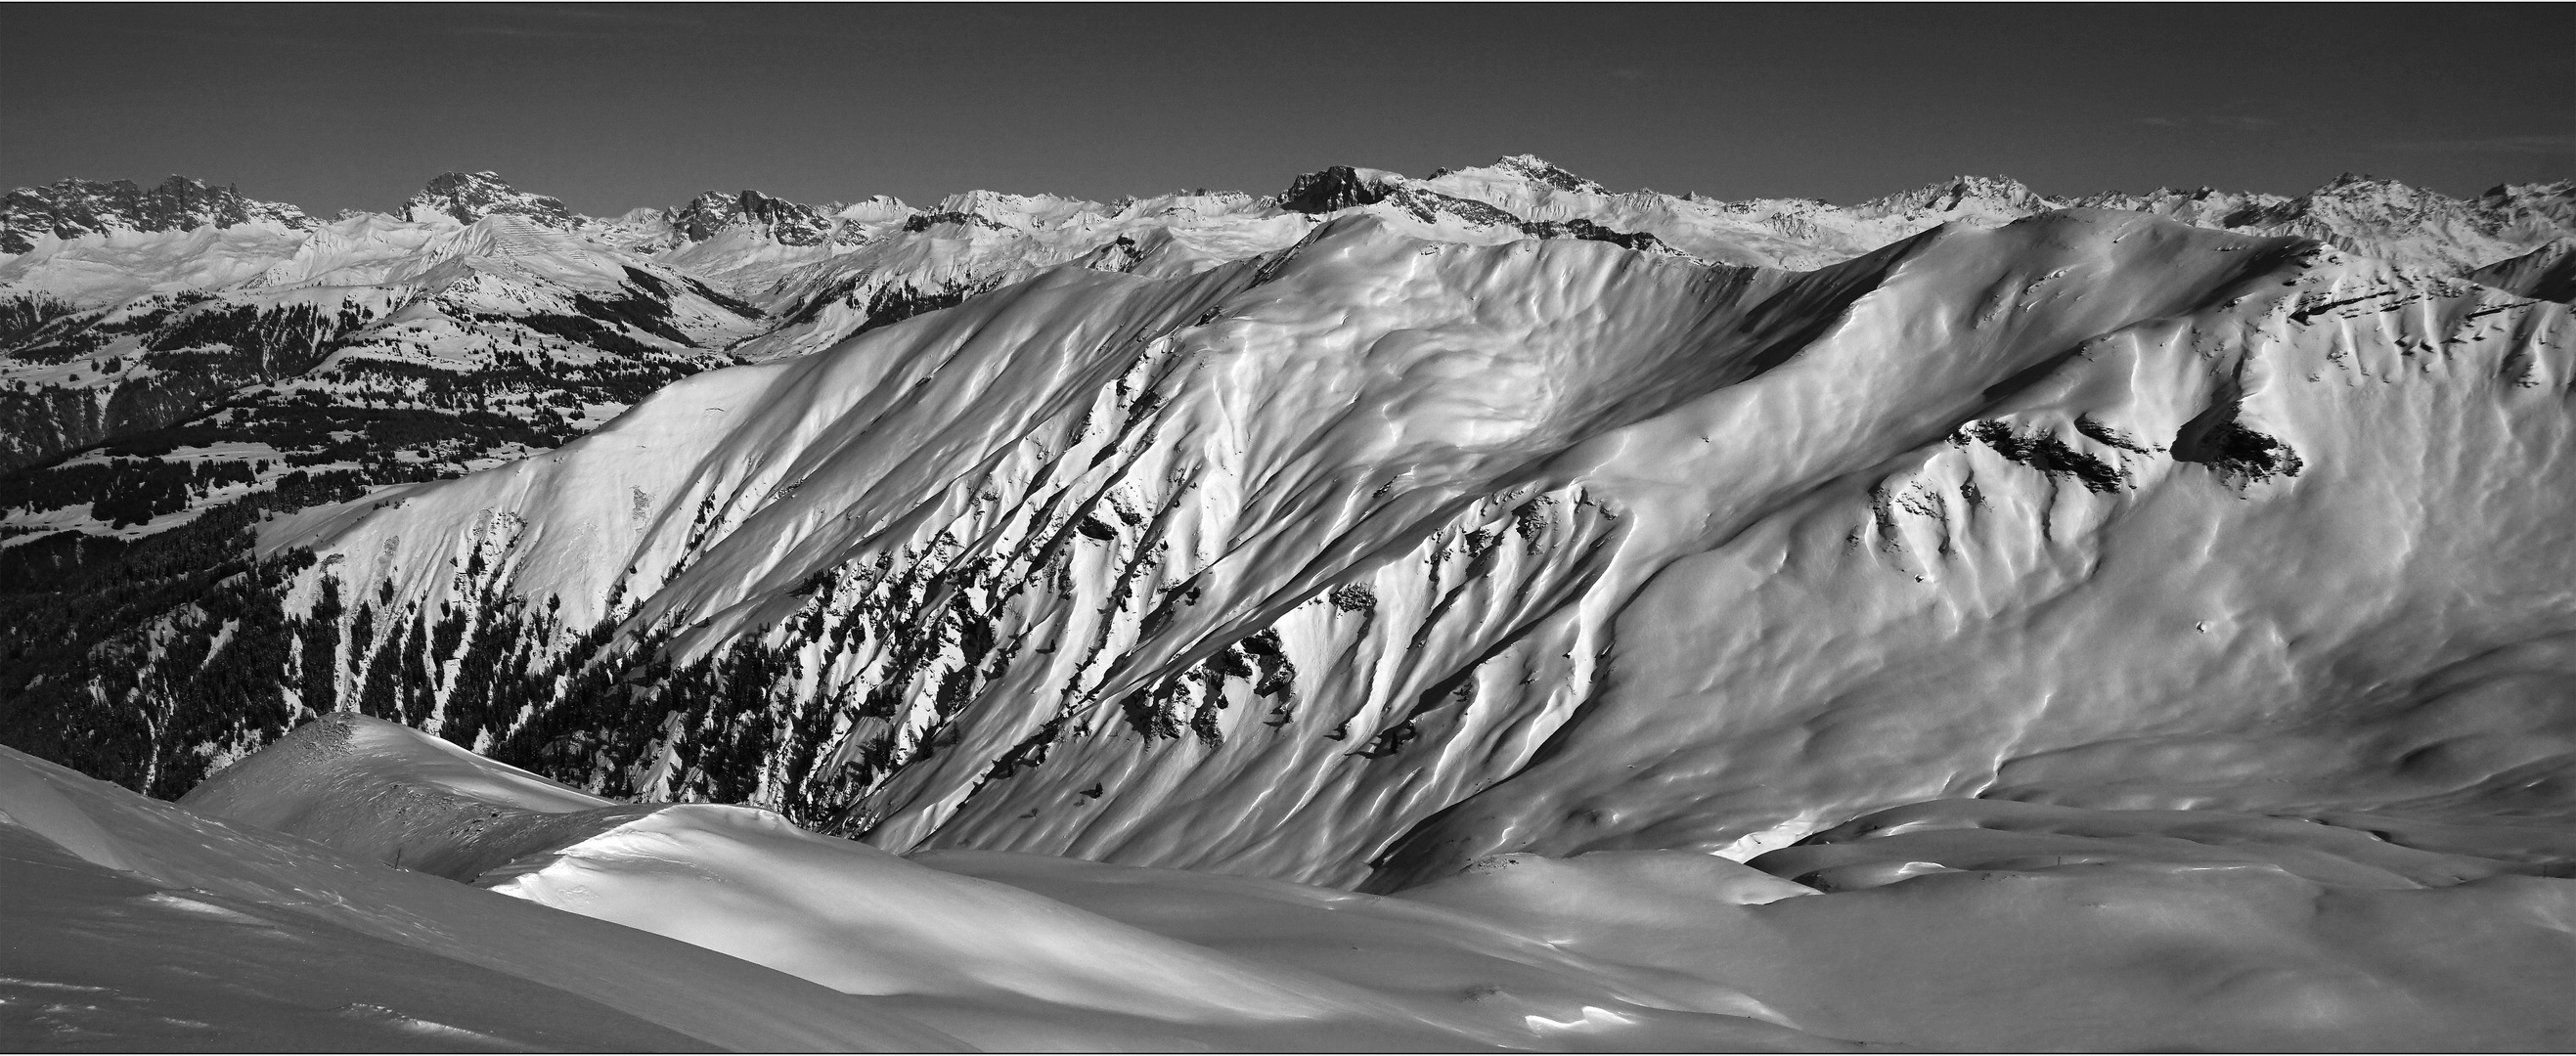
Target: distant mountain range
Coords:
[[120, 307]]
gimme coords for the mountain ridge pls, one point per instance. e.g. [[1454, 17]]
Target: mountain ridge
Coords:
[[1176, 670], [800, 515], [71, 208]]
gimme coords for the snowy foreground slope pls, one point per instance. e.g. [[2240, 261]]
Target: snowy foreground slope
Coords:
[[2110, 929]]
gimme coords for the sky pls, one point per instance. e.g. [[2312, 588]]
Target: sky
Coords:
[[334, 106]]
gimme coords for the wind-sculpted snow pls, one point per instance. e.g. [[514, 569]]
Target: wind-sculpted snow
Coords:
[[1366, 560], [991, 962], [304, 944], [1951, 925], [2172, 949], [2366, 604], [386, 793]]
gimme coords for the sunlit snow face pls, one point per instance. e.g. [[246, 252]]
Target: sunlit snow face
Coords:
[[1459, 542], [1952, 924], [1444, 394]]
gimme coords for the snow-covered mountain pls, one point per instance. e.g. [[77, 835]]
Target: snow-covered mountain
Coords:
[[70, 209], [258, 362], [1694, 623], [101, 275], [2381, 218], [438, 341], [1362, 560], [466, 197]]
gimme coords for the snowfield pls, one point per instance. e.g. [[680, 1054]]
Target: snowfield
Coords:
[[2052, 928]]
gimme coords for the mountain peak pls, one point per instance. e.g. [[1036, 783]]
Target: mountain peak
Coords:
[[1960, 192], [75, 207], [2353, 187], [1536, 169], [786, 222], [470, 196], [1333, 189], [1526, 168]]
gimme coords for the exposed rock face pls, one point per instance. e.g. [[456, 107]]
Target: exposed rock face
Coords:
[[778, 220], [470, 196], [1330, 191], [72, 208], [1997, 192], [1539, 170], [2380, 218]]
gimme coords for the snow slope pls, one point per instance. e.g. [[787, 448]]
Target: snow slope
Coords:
[[1366, 560], [1955, 925], [378, 956], [983, 960], [2547, 273]]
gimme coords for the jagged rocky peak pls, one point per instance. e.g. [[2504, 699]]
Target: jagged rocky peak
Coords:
[[1334, 189], [1527, 171], [2551, 203], [999, 210], [2359, 190], [2555, 200], [470, 196], [2349, 206], [2350, 185], [1536, 169], [783, 221], [2170, 201], [875, 208], [72, 208], [1961, 192], [2371, 196]]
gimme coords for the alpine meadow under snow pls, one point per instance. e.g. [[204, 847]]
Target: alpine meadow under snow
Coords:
[[1480, 611]]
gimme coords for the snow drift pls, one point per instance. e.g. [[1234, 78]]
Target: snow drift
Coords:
[[1958, 924]]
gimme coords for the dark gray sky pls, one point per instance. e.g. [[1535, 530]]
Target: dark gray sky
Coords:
[[355, 106]]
